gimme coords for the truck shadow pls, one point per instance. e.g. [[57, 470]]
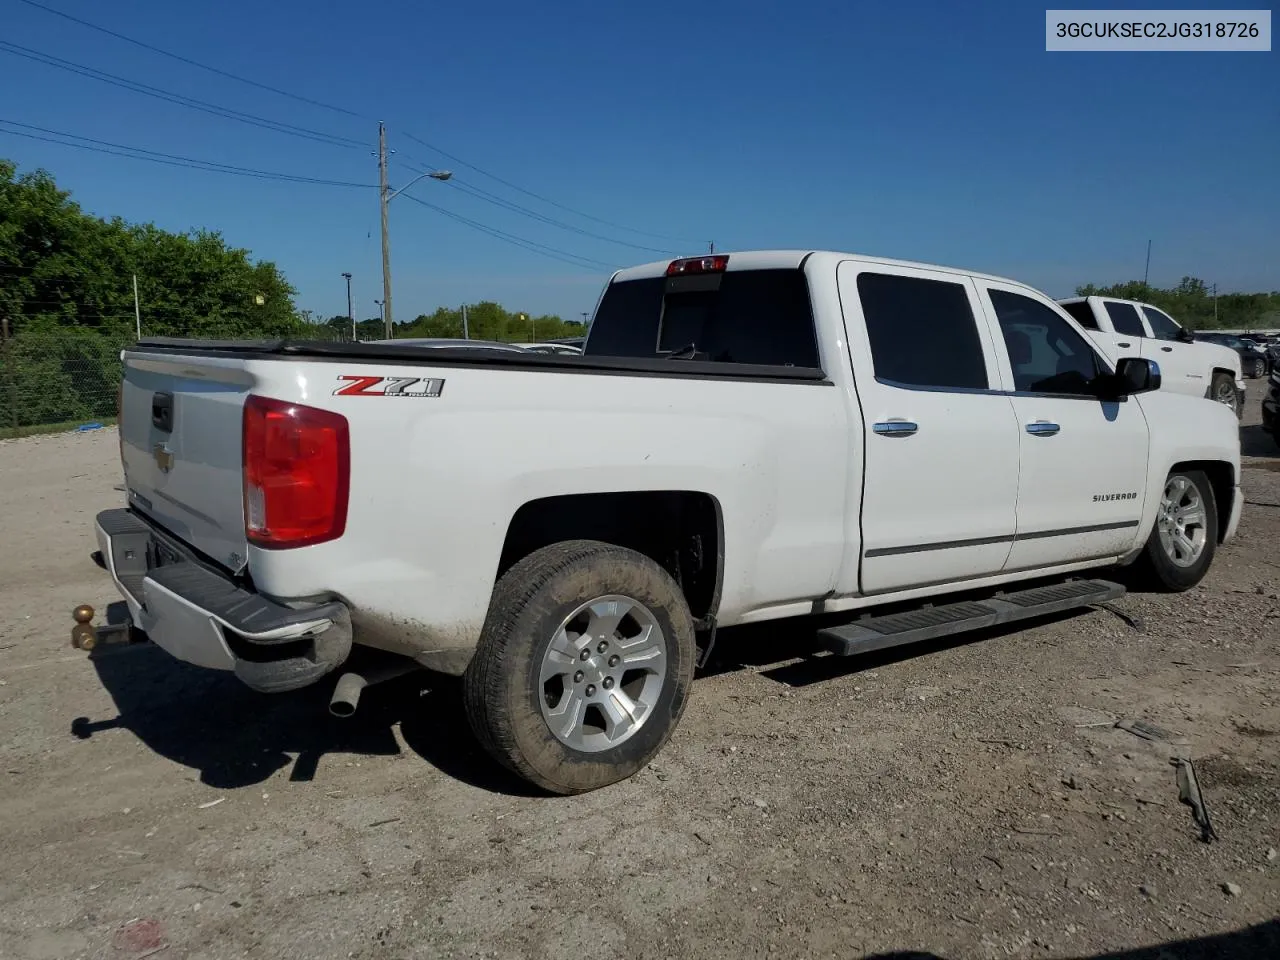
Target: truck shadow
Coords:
[[1259, 942], [234, 737], [1256, 442]]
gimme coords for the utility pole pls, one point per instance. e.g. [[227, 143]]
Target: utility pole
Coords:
[[711, 246], [137, 308], [1215, 305], [466, 335], [386, 239], [350, 315], [1146, 272], [382, 309]]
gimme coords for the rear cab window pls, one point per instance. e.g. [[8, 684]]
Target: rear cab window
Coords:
[[740, 317], [1081, 313]]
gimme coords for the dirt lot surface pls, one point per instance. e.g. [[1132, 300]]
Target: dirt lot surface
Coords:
[[970, 799]]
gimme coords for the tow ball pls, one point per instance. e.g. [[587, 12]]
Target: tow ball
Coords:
[[85, 636]]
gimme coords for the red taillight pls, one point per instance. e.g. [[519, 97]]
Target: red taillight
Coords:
[[297, 468], [716, 264]]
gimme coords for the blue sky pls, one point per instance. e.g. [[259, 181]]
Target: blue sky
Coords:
[[923, 131]]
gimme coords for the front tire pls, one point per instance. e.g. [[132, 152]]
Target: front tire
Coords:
[[1223, 390], [583, 667], [1185, 535], [1259, 368]]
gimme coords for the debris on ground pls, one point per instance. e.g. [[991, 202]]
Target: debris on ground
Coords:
[[1189, 793]]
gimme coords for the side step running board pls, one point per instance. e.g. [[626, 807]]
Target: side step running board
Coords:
[[928, 623]]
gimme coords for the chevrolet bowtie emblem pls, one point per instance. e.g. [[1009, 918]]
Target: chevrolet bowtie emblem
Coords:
[[164, 459]]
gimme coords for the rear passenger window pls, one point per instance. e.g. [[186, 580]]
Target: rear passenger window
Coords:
[[1082, 313], [922, 332], [1124, 317]]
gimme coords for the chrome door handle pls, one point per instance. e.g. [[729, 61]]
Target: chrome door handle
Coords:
[[895, 428], [1042, 428]]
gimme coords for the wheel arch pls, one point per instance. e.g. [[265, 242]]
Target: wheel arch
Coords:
[[681, 530]]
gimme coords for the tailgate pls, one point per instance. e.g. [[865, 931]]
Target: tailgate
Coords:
[[180, 426]]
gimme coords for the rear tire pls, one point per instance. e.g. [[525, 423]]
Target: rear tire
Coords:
[[1184, 537], [595, 638], [1259, 369]]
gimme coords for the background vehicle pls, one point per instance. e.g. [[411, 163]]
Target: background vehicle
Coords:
[[755, 436], [1271, 406], [1123, 327], [1253, 359]]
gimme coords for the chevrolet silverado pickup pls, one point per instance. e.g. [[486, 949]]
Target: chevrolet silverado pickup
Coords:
[[1188, 365], [745, 437]]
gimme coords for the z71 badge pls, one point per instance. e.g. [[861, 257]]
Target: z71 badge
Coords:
[[357, 386]]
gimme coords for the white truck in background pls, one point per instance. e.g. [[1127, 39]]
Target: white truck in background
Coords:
[[745, 437], [1132, 328]]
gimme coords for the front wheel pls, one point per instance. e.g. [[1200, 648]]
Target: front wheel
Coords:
[[1259, 368], [1223, 390], [583, 666], [1185, 536]]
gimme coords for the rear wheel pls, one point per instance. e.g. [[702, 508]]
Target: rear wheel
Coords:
[[1223, 391], [583, 667], [1185, 536], [1258, 369]]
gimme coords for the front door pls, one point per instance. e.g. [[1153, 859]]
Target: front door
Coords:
[[1083, 460], [1182, 366], [940, 440]]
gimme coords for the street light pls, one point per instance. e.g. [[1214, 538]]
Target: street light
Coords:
[[350, 315], [387, 195]]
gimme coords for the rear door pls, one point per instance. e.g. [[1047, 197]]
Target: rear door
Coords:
[[180, 432], [1083, 461], [1129, 331], [1182, 365], [941, 444]]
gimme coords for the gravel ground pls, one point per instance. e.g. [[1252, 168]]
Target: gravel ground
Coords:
[[964, 799]]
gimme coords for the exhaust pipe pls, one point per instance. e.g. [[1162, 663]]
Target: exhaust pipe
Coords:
[[346, 695]]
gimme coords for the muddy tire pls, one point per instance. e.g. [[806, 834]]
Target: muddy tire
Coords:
[[1185, 535], [583, 667]]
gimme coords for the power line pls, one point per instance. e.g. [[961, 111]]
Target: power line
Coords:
[[302, 131], [185, 101], [537, 196], [169, 159], [542, 218], [194, 63], [556, 254]]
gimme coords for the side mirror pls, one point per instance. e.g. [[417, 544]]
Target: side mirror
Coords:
[[1186, 336], [1136, 375]]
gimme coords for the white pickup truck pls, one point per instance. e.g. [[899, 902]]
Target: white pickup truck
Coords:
[[1132, 328], [745, 437]]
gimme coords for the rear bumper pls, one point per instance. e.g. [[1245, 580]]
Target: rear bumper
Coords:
[[204, 617]]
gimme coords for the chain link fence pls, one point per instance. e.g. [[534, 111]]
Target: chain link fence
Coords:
[[63, 379], [59, 379]]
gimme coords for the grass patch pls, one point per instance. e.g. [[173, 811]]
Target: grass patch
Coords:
[[12, 433]]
